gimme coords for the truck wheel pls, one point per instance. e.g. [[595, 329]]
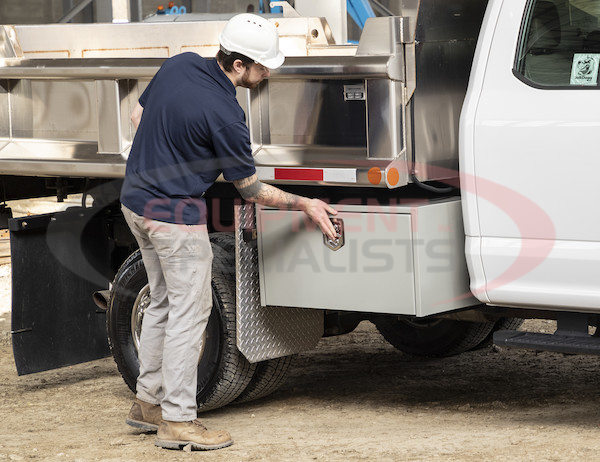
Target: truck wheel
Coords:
[[223, 372], [224, 240], [268, 377], [508, 324], [270, 374], [433, 338], [500, 324]]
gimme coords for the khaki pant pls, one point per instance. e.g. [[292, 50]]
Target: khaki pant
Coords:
[[178, 260]]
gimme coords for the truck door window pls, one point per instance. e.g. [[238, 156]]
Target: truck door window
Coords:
[[560, 44]]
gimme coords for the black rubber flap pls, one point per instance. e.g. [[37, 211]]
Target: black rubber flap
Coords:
[[58, 261]]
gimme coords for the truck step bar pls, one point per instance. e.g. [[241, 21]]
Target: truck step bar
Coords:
[[562, 343]]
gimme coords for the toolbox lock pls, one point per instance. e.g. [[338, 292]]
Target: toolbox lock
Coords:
[[335, 244]]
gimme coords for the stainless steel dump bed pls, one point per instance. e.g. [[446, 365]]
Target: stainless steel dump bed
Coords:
[[362, 115]]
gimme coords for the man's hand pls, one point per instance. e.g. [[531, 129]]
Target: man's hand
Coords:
[[253, 190], [319, 211]]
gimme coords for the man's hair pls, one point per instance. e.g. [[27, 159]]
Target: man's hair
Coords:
[[227, 60]]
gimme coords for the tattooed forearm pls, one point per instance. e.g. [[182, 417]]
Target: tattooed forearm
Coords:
[[275, 197], [253, 190], [248, 187]]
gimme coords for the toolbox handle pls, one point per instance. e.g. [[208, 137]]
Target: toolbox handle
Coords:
[[338, 243]]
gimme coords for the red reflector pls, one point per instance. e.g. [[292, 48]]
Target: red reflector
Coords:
[[306, 174]]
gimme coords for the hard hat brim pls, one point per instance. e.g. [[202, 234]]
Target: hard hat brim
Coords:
[[273, 63]]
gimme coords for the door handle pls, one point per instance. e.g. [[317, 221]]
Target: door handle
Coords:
[[338, 243]]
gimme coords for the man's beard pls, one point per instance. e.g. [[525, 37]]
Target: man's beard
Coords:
[[245, 81]]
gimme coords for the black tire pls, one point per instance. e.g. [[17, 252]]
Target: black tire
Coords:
[[433, 338], [500, 324], [268, 377], [270, 374], [223, 372], [508, 324], [224, 240], [130, 280]]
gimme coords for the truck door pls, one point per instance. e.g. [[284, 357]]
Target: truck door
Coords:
[[530, 155]]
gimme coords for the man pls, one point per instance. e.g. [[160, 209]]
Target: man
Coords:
[[190, 129]]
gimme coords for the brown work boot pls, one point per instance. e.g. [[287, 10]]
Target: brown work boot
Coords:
[[144, 416], [177, 435]]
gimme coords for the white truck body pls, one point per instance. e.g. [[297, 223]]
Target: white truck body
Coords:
[[450, 166]]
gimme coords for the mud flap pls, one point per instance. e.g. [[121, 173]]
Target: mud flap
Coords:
[[58, 261]]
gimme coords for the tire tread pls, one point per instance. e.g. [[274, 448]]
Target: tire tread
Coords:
[[235, 372], [268, 377], [448, 338]]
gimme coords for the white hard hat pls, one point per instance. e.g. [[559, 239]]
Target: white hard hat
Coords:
[[252, 36]]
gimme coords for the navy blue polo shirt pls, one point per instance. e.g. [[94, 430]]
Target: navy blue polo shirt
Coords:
[[192, 129]]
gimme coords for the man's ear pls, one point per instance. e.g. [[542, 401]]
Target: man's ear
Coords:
[[238, 66]]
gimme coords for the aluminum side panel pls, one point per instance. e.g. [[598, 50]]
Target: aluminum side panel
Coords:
[[372, 272], [441, 276]]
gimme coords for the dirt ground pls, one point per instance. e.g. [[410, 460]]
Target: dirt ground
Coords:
[[352, 398]]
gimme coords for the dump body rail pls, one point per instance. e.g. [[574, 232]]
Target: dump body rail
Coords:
[[331, 115]]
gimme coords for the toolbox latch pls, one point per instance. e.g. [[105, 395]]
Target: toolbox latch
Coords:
[[338, 243]]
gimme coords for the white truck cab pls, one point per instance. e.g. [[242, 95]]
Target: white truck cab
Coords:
[[529, 156]]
